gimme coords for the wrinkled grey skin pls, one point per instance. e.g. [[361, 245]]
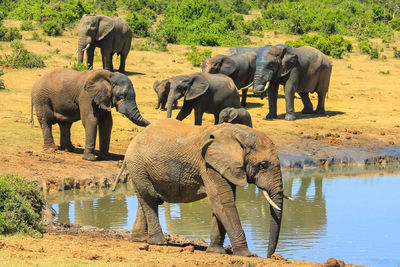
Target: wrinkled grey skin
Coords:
[[64, 96], [202, 92], [242, 50], [111, 34], [240, 68], [211, 161], [235, 116], [303, 70], [162, 91]]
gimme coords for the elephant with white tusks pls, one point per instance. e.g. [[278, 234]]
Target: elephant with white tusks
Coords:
[[111, 34], [174, 162], [64, 96]]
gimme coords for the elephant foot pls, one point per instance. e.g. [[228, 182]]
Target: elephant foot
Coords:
[[216, 249], [157, 239], [69, 148], [270, 116], [89, 156], [290, 117], [50, 147], [320, 111], [139, 237], [243, 252], [307, 111], [104, 156]]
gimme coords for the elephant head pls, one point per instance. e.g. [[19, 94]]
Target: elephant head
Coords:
[[162, 90], [273, 63], [113, 89], [220, 64], [243, 155], [92, 28], [228, 115], [188, 86]]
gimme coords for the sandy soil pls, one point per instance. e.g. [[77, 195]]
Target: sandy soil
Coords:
[[363, 114]]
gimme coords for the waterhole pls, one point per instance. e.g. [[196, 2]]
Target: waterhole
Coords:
[[351, 214]]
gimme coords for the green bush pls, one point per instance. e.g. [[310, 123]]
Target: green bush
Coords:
[[395, 24], [396, 53], [139, 24], [196, 56], [9, 34], [22, 58], [156, 5], [2, 85], [21, 203], [365, 46], [333, 45], [80, 66], [27, 26], [374, 54], [52, 28]]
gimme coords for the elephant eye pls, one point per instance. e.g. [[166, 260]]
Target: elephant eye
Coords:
[[263, 165]]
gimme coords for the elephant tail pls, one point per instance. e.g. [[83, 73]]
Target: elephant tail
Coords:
[[118, 177], [31, 120]]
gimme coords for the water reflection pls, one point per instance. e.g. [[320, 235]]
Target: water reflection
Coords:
[[332, 215]]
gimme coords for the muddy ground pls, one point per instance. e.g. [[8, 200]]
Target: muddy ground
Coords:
[[361, 126]]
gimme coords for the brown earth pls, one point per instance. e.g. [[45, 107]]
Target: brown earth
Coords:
[[363, 113]]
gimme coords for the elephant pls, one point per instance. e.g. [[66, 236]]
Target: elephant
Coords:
[[64, 96], [303, 70], [203, 92], [162, 91], [208, 161], [242, 50], [239, 67], [235, 116], [111, 34]]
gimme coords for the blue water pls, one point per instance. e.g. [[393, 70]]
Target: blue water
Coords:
[[352, 218]]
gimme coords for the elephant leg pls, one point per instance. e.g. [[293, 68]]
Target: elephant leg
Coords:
[[244, 97], [308, 107], [198, 116], [105, 126], [148, 199], [218, 233], [216, 118], [90, 124], [65, 136], [47, 134], [272, 101], [139, 230], [107, 59], [321, 103], [90, 56], [123, 57], [221, 197], [184, 112], [289, 98]]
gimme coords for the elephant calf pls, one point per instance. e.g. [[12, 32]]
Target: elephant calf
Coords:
[[179, 163], [162, 90], [235, 116], [64, 96]]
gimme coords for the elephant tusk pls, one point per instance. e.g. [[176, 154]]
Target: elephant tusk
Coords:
[[246, 87], [86, 47], [76, 51], [270, 200], [265, 87], [289, 198]]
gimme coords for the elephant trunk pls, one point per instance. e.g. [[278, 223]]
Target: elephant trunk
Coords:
[[133, 114], [258, 86], [83, 44], [170, 102]]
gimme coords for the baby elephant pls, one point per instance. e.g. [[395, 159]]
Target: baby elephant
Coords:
[[235, 116], [162, 91]]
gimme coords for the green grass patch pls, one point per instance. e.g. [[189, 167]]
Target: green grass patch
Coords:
[[196, 56], [22, 58]]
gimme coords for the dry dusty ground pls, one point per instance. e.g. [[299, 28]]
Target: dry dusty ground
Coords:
[[363, 112]]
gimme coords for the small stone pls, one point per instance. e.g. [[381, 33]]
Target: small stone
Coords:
[[348, 137], [144, 247], [331, 262], [383, 133], [189, 248], [391, 143]]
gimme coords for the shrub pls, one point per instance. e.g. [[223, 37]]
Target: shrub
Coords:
[[80, 66], [395, 24], [26, 26], [9, 34], [22, 58], [364, 46], [396, 53], [196, 56], [333, 45], [21, 202], [374, 54], [52, 28], [2, 85], [139, 24]]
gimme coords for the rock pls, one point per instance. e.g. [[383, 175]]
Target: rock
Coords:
[[144, 247], [332, 262], [189, 248]]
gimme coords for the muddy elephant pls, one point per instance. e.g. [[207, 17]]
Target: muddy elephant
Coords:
[[303, 70], [162, 91], [235, 116], [211, 161], [64, 96], [111, 34], [240, 67], [202, 92]]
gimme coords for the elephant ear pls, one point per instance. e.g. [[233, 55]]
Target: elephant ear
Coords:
[[98, 86], [228, 66], [106, 25], [289, 61], [199, 86], [224, 152], [155, 85], [233, 114]]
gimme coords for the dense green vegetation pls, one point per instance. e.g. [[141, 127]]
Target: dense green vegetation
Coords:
[[21, 203], [21, 58], [196, 56]]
